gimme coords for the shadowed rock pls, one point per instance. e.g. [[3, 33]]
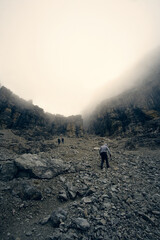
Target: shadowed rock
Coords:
[[81, 224], [8, 170], [27, 191], [57, 217]]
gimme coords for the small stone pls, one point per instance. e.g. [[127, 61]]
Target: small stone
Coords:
[[62, 196], [106, 214], [86, 200], [81, 223], [72, 191], [90, 191], [62, 179], [57, 217], [156, 212], [45, 220], [103, 221], [21, 206], [107, 205], [96, 148], [28, 234], [72, 194], [113, 188], [146, 218]]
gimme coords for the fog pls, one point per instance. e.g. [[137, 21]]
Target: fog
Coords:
[[63, 53], [143, 71]]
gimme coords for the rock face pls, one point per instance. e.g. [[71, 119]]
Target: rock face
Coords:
[[131, 113], [134, 112], [18, 114]]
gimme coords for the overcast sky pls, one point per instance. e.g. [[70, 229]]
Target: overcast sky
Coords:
[[59, 52]]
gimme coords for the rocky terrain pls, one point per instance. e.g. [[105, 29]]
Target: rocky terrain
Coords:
[[52, 191], [58, 192]]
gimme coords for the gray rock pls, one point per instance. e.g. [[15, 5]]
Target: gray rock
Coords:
[[8, 170], [86, 200], [62, 179], [32, 193], [107, 205], [156, 197], [156, 212], [40, 167], [45, 220], [29, 233], [62, 196], [113, 188], [81, 224], [27, 192], [90, 191], [146, 218], [57, 217], [72, 194], [72, 191]]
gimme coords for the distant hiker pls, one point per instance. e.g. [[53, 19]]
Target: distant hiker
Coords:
[[59, 141], [62, 140], [103, 151]]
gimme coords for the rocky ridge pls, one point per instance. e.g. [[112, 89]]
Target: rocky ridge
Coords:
[[32, 122], [80, 201]]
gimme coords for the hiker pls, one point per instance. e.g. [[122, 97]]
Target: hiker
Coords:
[[62, 140], [104, 150], [59, 141]]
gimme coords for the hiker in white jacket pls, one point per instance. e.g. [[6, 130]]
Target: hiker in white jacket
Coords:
[[104, 151]]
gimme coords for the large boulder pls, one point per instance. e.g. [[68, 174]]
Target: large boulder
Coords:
[[40, 167]]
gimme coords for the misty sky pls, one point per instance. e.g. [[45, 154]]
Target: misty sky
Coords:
[[59, 52]]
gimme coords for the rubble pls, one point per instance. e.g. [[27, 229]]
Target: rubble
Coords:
[[87, 203]]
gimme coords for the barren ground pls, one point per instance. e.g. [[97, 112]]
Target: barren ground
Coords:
[[122, 202]]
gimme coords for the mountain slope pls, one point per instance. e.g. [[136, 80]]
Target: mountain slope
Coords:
[[135, 111], [30, 120]]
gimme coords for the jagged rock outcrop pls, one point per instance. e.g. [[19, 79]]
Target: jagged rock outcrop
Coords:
[[31, 121]]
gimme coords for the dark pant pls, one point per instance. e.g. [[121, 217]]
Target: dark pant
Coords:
[[104, 157]]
